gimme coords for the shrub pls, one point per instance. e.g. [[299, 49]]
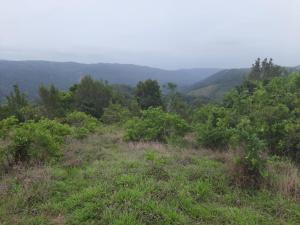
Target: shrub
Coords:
[[271, 110], [213, 126], [32, 112], [6, 125], [35, 141], [250, 167], [82, 122], [155, 125], [115, 113]]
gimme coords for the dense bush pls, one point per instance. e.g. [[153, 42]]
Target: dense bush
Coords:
[[155, 125], [6, 125], [91, 96], [213, 126], [34, 141], [115, 113], [260, 117], [82, 123], [272, 110]]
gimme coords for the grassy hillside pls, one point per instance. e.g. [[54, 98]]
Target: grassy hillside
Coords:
[[103, 180], [29, 75], [216, 85]]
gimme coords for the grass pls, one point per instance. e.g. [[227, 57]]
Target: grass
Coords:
[[103, 180]]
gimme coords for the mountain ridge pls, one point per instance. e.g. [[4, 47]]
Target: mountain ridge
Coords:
[[30, 74]]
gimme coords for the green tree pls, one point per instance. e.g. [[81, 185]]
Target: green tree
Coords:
[[15, 102], [148, 94], [92, 96], [174, 101], [51, 101], [265, 70]]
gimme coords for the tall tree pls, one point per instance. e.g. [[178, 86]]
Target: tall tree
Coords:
[[92, 96], [174, 101], [265, 70], [51, 101], [15, 102], [148, 94]]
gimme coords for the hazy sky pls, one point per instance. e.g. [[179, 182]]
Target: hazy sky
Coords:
[[161, 33]]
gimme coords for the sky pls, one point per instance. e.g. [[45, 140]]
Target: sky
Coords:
[[169, 34]]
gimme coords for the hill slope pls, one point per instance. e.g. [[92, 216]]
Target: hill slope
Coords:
[[30, 74], [217, 84]]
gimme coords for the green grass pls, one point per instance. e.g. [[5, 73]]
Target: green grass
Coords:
[[103, 180]]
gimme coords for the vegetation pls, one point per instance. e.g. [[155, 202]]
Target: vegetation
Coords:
[[103, 154], [37, 141], [103, 180], [91, 96], [155, 125], [148, 94], [82, 123]]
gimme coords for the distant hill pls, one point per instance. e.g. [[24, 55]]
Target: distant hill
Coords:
[[217, 84], [29, 75]]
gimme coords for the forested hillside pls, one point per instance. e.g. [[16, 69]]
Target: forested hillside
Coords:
[[219, 83], [29, 75], [216, 85]]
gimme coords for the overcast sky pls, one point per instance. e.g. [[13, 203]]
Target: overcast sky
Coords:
[[162, 33]]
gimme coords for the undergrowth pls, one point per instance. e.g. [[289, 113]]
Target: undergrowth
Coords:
[[104, 180]]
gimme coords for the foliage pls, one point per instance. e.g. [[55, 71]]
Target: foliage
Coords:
[[259, 118], [174, 101], [35, 141], [271, 109], [32, 112], [251, 164], [155, 125], [6, 125], [213, 126], [148, 94], [115, 113], [53, 101], [91, 96], [15, 102], [265, 70], [82, 122]]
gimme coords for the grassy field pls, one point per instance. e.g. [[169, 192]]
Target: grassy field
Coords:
[[103, 180]]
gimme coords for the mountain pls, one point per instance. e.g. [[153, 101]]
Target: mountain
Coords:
[[29, 75], [217, 84]]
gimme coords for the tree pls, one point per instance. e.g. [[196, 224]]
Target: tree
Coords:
[[265, 70], [174, 102], [15, 102], [51, 101], [92, 96], [148, 94]]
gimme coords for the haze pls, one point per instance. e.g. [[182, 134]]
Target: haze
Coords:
[[162, 33]]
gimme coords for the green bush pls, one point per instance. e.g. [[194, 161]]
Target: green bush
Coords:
[[213, 126], [251, 164], [272, 112], [35, 141], [6, 125], [115, 113], [83, 123], [155, 125]]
